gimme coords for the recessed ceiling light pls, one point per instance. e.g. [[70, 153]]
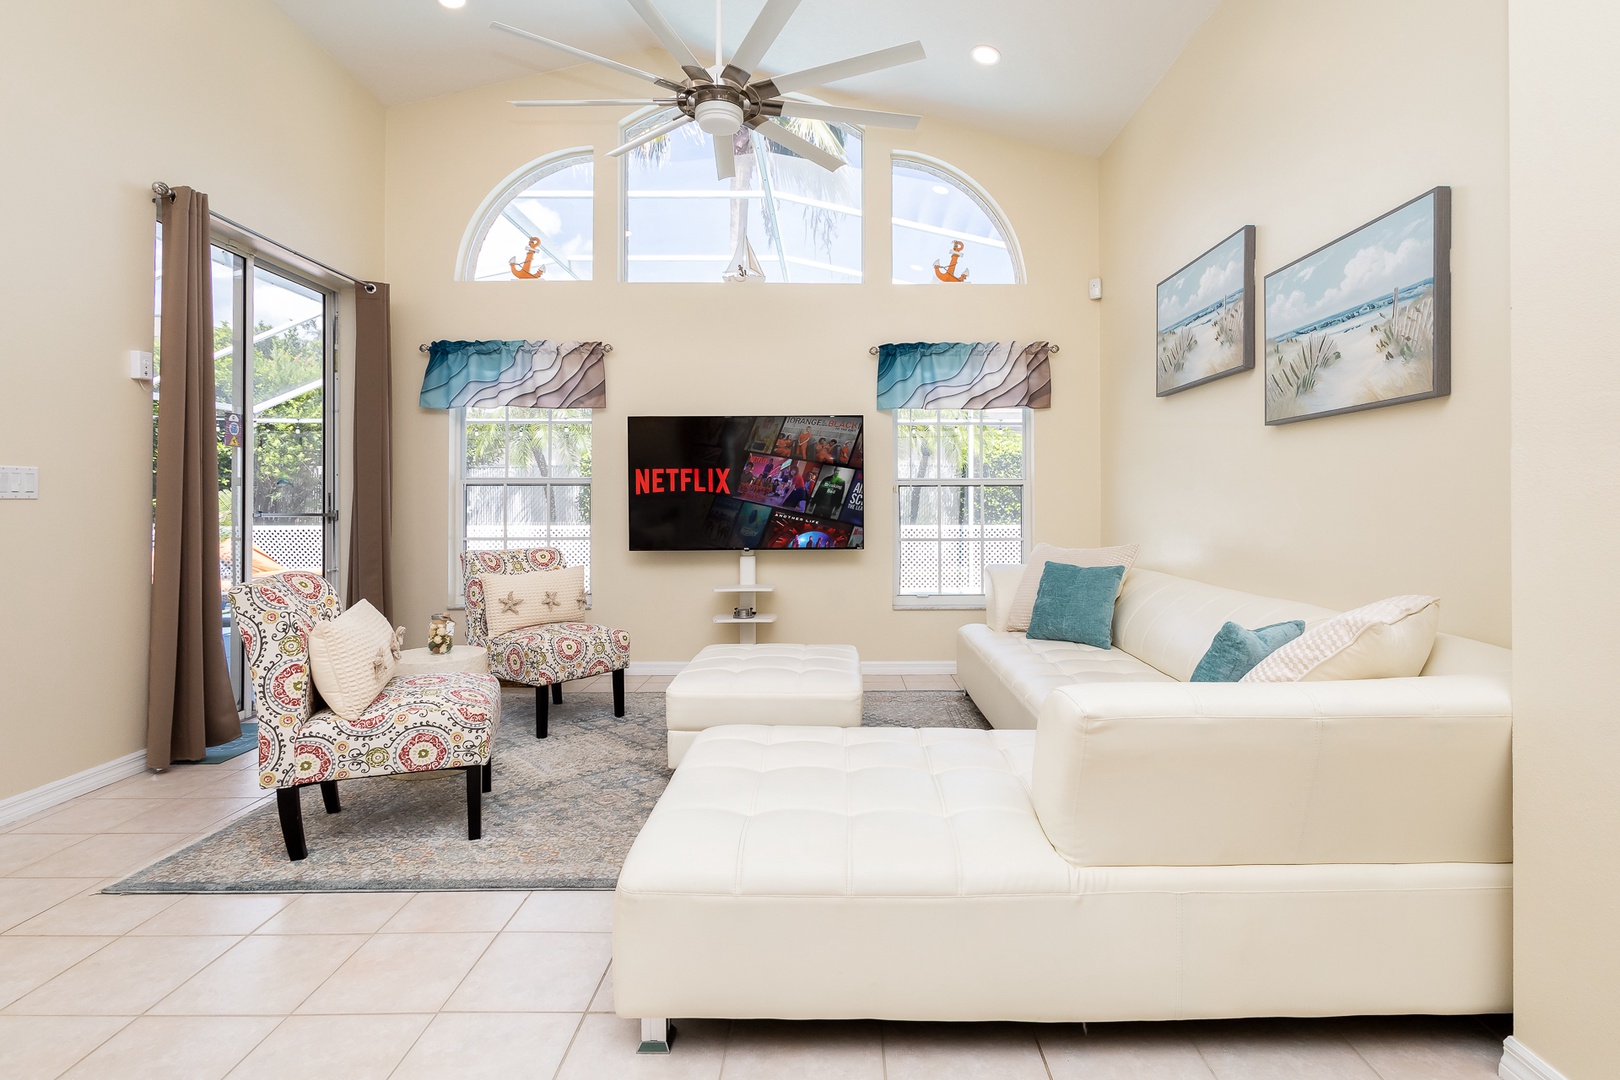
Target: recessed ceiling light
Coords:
[[941, 189], [453, 4], [984, 54]]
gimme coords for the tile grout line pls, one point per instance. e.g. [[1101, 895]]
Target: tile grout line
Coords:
[[439, 1011], [111, 1035], [1041, 1050], [1357, 1051], [574, 1038]]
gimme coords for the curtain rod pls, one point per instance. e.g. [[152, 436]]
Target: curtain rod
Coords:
[[424, 347], [160, 190], [1049, 348]]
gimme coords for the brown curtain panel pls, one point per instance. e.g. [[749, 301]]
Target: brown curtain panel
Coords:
[[190, 704], [371, 512]]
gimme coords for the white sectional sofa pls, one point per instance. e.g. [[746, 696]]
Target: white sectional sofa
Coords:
[[1154, 850]]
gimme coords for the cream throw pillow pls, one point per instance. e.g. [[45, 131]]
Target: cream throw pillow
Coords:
[[1391, 639], [514, 601], [352, 657], [1023, 604]]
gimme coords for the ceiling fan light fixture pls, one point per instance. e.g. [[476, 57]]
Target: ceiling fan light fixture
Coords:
[[718, 117], [986, 54]]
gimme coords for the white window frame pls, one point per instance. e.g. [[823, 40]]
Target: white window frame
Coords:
[[516, 183], [959, 601], [460, 481], [950, 174]]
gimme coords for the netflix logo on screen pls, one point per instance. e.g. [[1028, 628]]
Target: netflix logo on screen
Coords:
[[676, 481], [745, 482]]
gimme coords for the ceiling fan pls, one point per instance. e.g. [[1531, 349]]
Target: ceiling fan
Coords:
[[726, 98]]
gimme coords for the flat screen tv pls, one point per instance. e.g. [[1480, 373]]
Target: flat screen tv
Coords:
[[733, 482]]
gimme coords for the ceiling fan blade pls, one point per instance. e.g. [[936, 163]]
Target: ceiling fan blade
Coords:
[[671, 41], [590, 101], [806, 110], [648, 136], [864, 64], [725, 156], [614, 65], [784, 138], [759, 39]]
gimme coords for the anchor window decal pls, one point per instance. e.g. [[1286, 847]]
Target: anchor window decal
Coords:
[[527, 270], [948, 273]]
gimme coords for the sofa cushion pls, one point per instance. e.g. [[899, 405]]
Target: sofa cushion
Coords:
[[559, 652], [1027, 670], [1236, 650], [1023, 603], [1390, 639], [1076, 603]]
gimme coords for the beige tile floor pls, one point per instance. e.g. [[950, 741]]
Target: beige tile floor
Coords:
[[507, 985]]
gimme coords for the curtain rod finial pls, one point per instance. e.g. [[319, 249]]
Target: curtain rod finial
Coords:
[[160, 189]]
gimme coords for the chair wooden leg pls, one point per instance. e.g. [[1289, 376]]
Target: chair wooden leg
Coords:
[[475, 802], [329, 795], [292, 822], [556, 693], [541, 720], [618, 692], [489, 774]]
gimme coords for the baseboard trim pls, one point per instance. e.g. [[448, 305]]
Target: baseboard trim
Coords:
[[638, 668], [29, 803], [1518, 1063]]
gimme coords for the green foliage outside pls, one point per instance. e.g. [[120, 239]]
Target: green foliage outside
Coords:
[[951, 455], [520, 444]]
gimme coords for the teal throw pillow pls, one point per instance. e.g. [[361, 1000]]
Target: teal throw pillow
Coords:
[[1076, 603], [1236, 650]]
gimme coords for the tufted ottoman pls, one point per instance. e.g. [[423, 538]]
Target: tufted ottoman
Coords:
[[799, 685]]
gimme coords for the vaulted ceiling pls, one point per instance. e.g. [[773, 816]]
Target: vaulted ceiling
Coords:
[[1072, 71]]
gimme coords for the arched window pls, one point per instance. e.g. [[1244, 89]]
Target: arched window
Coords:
[[935, 209], [803, 223], [538, 220]]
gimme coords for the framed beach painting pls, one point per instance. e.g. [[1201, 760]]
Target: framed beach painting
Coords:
[[1205, 316], [1365, 321]]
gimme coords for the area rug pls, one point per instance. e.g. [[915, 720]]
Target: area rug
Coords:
[[562, 814]]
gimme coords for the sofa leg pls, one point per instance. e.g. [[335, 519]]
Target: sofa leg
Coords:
[[542, 722], [329, 795], [657, 1035], [556, 693], [292, 822], [618, 692], [475, 802], [489, 775]]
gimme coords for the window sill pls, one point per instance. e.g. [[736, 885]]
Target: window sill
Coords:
[[939, 603]]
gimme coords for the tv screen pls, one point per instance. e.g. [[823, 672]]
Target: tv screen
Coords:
[[732, 482]]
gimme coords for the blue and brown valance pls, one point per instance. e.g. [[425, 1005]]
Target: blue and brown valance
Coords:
[[965, 375], [530, 374]]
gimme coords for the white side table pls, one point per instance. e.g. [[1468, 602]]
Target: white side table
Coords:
[[472, 658]]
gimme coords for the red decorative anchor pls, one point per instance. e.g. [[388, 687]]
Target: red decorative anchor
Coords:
[[948, 273], [527, 269]]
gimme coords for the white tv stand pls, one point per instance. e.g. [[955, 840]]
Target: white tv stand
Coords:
[[745, 589]]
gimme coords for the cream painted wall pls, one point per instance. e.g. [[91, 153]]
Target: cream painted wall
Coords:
[[1308, 120], [98, 100], [1564, 111], [726, 349]]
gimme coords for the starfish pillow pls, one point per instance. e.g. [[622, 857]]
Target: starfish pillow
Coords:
[[514, 601]]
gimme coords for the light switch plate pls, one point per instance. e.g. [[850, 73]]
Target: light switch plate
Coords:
[[19, 482]]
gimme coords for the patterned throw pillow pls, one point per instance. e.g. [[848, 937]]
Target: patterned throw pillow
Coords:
[[1391, 639], [1023, 603], [514, 601], [352, 657]]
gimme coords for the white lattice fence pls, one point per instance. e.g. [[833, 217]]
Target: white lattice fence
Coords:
[[294, 547]]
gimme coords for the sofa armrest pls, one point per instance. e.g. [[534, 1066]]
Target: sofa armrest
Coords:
[[1367, 771], [1000, 583]]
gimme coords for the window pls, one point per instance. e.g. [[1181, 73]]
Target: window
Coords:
[[803, 223], [935, 209], [551, 201], [962, 501], [525, 481]]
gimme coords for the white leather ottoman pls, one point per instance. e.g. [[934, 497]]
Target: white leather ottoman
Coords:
[[797, 685]]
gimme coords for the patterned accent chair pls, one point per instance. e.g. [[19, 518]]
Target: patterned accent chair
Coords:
[[418, 723], [547, 655]]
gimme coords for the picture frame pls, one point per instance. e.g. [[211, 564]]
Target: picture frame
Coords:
[[1364, 321], [1204, 317]]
